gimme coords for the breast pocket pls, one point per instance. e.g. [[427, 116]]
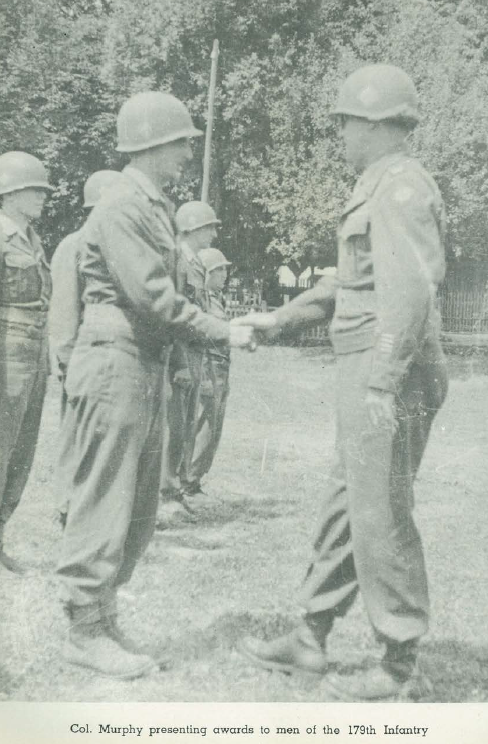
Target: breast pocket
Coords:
[[20, 280], [353, 244]]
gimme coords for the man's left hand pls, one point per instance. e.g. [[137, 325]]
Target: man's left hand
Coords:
[[381, 408]]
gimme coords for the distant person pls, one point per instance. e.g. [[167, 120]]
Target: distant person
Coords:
[[197, 224], [391, 379], [25, 292], [212, 411]]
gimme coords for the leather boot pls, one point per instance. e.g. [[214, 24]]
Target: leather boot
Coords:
[[299, 649], [375, 684], [109, 615], [396, 678], [89, 645]]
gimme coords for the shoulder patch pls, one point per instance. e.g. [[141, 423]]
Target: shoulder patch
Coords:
[[403, 194]]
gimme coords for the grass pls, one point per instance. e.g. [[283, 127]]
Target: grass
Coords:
[[238, 569]]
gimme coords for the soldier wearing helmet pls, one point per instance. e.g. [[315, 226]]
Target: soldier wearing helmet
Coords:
[[196, 223], [25, 291], [391, 382], [212, 413], [66, 307], [132, 313]]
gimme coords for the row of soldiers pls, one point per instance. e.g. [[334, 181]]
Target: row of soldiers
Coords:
[[391, 381], [141, 341]]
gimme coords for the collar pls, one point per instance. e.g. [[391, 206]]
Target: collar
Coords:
[[144, 182], [10, 227], [369, 180], [373, 173], [191, 257]]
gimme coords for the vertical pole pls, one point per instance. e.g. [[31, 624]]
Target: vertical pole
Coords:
[[210, 116]]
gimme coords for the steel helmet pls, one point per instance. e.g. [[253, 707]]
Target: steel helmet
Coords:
[[19, 170], [195, 214], [212, 258], [152, 118], [378, 92], [97, 184]]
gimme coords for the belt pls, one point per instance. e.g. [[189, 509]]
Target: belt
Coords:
[[354, 301], [112, 322], [107, 316], [25, 316]]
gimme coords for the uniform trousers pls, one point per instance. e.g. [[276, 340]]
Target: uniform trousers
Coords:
[[109, 463], [367, 539], [23, 373], [211, 420], [181, 422]]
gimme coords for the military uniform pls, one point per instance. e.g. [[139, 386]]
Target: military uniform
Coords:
[[385, 333], [25, 290], [189, 384], [212, 414], [66, 309], [115, 385]]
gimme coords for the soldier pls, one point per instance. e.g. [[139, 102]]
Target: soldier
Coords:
[[25, 290], [66, 308], [391, 380], [212, 413], [132, 314], [197, 224]]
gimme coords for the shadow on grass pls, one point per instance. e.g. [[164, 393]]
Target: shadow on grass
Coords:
[[226, 631], [458, 671], [8, 684], [243, 509]]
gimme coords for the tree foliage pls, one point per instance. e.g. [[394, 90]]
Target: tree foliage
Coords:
[[278, 175]]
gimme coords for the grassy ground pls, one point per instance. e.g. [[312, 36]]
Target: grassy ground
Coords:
[[237, 571]]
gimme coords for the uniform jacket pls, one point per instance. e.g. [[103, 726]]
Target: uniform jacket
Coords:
[[25, 279], [129, 260], [65, 314], [390, 262]]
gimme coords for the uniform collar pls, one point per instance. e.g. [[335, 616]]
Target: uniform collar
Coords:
[[9, 227], [373, 173], [144, 182], [371, 177], [189, 255]]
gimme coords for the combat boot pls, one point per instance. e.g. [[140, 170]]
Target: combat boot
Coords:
[[109, 615], [396, 678], [299, 649], [90, 645]]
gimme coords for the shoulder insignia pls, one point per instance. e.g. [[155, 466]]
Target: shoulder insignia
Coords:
[[403, 194]]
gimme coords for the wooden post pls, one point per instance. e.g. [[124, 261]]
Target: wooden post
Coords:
[[210, 115]]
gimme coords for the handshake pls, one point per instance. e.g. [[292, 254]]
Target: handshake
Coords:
[[244, 330]]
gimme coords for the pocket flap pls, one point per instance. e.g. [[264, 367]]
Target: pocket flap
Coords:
[[19, 260]]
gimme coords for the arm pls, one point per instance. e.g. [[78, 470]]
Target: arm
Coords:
[[310, 307], [66, 306], [137, 268], [406, 245]]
